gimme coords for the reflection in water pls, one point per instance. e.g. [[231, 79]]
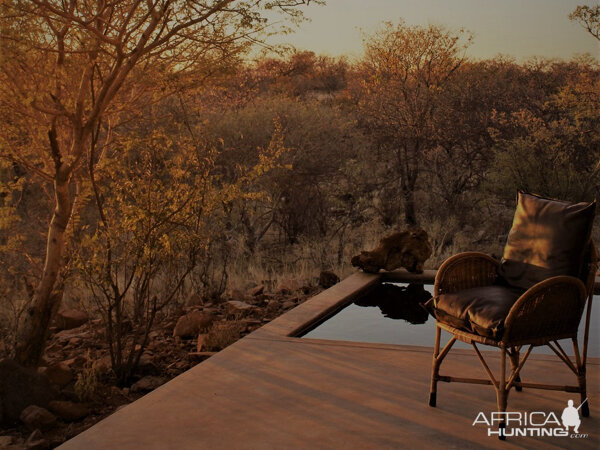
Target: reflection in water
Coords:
[[399, 302]]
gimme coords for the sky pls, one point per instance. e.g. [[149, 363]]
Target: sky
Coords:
[[518, 28]]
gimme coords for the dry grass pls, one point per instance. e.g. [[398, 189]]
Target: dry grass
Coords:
[[222, 334]]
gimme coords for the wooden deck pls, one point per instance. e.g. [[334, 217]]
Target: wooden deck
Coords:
[[272, 391]]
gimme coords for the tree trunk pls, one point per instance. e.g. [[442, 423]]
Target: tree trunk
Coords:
[[47, 297], [409, 207]]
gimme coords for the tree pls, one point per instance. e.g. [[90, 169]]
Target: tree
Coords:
[[69, 68], [555, 151], [589, 18], [404, 73]]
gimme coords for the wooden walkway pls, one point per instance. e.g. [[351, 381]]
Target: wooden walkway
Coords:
[[272, 391]]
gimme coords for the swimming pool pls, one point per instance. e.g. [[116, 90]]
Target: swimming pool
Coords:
[[392, 314]]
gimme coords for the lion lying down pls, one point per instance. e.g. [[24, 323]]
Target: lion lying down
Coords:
[[409, 249]]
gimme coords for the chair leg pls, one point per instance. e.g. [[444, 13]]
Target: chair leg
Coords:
[[581, 380], [435, 369], [502, 393], [514, 363]]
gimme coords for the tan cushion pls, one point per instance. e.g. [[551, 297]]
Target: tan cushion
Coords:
[[547, 238], [481, 310]]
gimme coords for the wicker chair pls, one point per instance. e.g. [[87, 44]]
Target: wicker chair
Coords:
[[549, 311]]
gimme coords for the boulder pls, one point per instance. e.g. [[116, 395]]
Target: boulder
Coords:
[[289, 286], [327, 278], [257, 290], [36, 441], [236, 307], [19, 388], [75, 363], [35, 417], [68, 411], [192, 323], [68, 319], [148, 383], [409, 249], [59, 374], [237, 295]]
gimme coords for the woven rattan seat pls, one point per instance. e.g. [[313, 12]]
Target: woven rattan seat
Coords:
[[553, 292]]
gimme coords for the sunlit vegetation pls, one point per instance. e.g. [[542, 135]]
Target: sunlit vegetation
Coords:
[[141, 165]]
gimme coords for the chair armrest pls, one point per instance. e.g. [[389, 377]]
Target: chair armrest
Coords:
[[549, 310], [464, 271]]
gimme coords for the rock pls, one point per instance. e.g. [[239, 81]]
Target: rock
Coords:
[[68, 411], [237, 307], [258, 290], [104, 364], [19, 388], [146, 361], [5, 441], [192, 323], [75, 363], [70, 318], [200, 343], [36, 417], [148, 383], [288, 286], [237, 295], [66, 335], [36, 441], [327, 279], [409, 249], [75, 341], [59, 374]]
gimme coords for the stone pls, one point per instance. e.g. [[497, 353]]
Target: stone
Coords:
[[104, 364], [75, 341], [36, 441], [68, 411], [68, 319], [148, 383], [257, 290], [288, 286], [19, 388], [75, 363], [327, 278], [36, 417], [65, 336], [237, 295], [192, 323], [409, 249], [146, 361], [200, 343], [59, 374], [237, 307]]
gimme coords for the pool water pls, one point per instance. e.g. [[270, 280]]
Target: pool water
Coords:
[[392, 314]]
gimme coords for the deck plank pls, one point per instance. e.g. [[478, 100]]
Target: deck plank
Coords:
[[290, 393]]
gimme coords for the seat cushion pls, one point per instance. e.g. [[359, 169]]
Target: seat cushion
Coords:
[[547, 238], [481, 310]]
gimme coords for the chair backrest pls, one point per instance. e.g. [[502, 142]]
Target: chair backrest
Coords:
[[548, 238]]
